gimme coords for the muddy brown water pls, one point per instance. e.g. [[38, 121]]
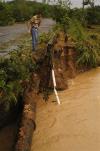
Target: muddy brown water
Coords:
[[75, 124]]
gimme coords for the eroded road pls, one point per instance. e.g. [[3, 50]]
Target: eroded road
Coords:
[[12, 32], [12, 36], [75, 124], [8, 33]]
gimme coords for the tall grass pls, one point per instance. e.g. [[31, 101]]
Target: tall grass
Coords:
[[76, 30], [88, 54]]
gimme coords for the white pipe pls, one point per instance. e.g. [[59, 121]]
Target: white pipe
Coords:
[[54, 83], [57, 97], [53, 78]]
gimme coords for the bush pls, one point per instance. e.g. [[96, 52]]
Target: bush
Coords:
[[88, 54], [93, 15], [76, 30], [21, 10], [13, 72], [6, 17]]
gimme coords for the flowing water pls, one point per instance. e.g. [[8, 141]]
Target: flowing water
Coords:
[[75, 124]]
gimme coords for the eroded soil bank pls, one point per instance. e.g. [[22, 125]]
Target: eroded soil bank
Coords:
[[75, 124]]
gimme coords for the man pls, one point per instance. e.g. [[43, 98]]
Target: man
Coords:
[[34, 23]]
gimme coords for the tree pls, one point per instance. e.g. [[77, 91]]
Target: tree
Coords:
[[88, 2], [21, 10]]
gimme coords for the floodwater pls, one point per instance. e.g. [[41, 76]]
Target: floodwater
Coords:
[[75, 124]]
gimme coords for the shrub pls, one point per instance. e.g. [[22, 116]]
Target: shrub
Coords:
[[6, 17], [13, 71], [87, 54], [21, 10], [76, 30]]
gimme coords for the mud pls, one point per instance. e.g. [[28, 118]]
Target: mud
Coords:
[[75, 124]]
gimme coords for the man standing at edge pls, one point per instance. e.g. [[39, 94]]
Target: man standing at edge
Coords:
[[33, 25]]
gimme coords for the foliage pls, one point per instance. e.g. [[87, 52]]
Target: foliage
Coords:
[[6, 15], [87, 16], [88, 54], [45, 37], [87, 46], [93, 15], [78, 14], [13, 72], [21, 10], [63, 11], [76, 30]]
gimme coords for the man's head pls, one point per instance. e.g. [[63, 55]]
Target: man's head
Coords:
[[35, 20]]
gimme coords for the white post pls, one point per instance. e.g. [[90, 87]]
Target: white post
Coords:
[[54, 84]]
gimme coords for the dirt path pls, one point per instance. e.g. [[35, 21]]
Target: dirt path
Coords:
[[75, 124], [12, 36], [12, 32]]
